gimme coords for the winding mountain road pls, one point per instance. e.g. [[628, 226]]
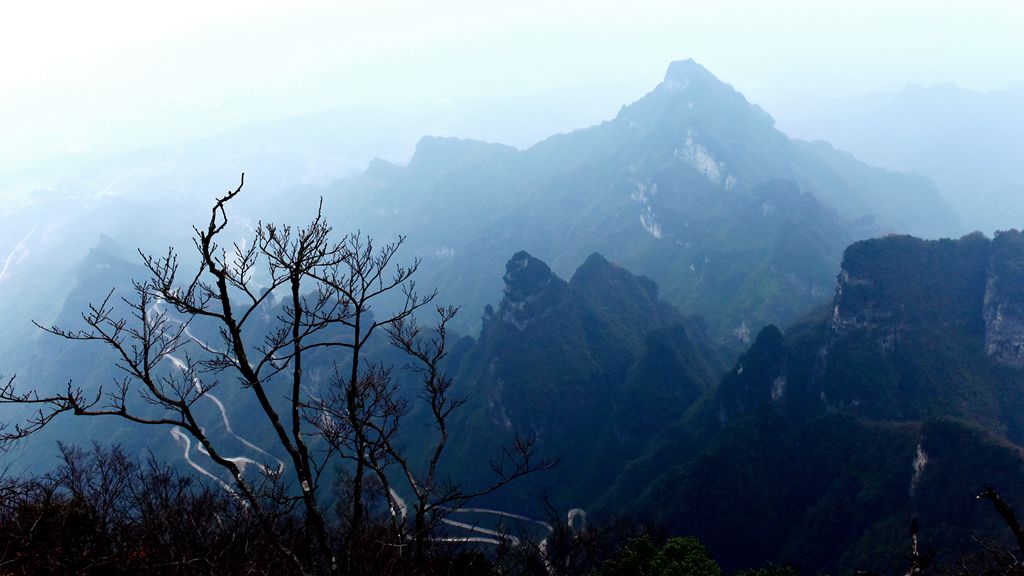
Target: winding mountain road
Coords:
[[399, 507], [18, 253], [178, 435]]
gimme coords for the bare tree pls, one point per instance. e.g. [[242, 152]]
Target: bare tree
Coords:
[[434, 494], [1006, 513], [273, 301]]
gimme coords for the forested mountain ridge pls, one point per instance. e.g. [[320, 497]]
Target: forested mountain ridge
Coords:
[[967, 142], [592, 368], [901, 399], [691, 185], [687, 223], [921, 329], [815, 448]]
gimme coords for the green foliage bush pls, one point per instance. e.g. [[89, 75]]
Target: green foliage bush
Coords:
[[677, 557]]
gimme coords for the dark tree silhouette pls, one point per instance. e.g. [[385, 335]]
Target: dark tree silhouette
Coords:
[[325, 295]]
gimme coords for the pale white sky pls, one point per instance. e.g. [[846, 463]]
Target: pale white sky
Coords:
[[86, 74]]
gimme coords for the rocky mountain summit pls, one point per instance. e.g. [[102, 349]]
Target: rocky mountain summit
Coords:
[[592, 367], [903, 398], [691, 185], [917, 329]]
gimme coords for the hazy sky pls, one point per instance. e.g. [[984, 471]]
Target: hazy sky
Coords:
[[84, 74]]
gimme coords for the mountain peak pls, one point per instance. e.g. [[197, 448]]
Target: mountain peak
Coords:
[[525, 276], [382, 169], [444, 152], [595, 262], [682, 73], [596, 269], [603, 279], [531, 289]]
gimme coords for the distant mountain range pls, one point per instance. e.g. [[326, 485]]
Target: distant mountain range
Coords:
[[969, 143], [691, 185], [901, 398], [712, 325]]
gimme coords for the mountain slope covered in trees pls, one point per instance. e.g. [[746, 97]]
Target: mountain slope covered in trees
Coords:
[[900, 400], [691, 185], [683, 225]]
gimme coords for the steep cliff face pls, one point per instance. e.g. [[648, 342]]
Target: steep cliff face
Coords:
[[917, 329], [890, 285], [760, 376], [556, 353], [1004, 335], [531, 291], [968, 287], [591, 368], [899, 400], [1004, 300]]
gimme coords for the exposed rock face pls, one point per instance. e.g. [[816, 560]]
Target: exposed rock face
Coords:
[[760, 375], [528, 284], [846, 318], [682, 72], [591, 368], [1004, 334], [924, 328], [1004, 300], [889, 286], [904, 378]]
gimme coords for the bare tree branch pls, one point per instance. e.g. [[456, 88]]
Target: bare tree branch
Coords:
[[1006, 512], [273, 300]]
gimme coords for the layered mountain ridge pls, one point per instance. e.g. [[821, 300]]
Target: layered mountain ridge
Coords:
[[899, 399], [590, 367], [690, 185], [684, 225], [822, 442], [940, 319], [816, 447], [968, 143]]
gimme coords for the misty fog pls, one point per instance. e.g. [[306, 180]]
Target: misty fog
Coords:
[[745, 160]]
